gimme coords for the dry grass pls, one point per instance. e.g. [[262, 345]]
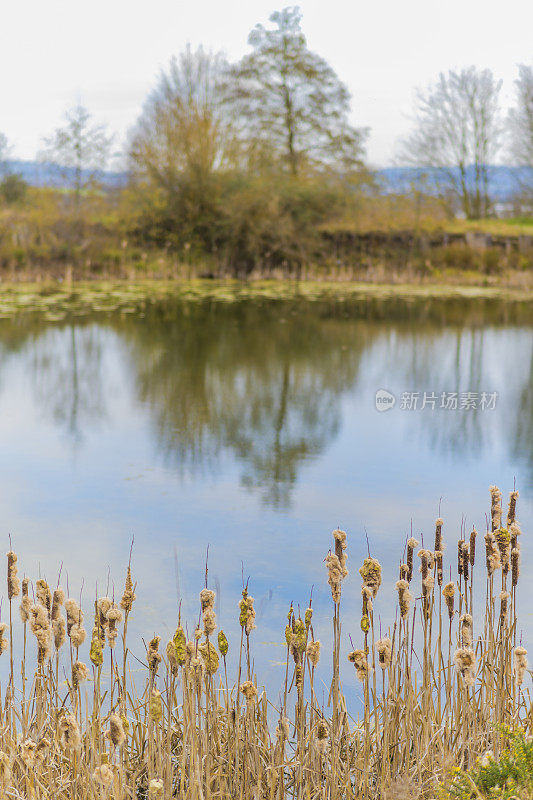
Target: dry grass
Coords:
[[442, 687]]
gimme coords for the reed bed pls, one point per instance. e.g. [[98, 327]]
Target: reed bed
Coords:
[[442, 688]]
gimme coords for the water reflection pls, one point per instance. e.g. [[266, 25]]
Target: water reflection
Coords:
[[266, 382]]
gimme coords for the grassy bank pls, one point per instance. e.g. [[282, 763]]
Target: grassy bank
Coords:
[[444, 687]]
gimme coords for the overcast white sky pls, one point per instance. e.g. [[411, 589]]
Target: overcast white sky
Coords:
[[107, 53]]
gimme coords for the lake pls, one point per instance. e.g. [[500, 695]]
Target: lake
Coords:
[[251, 428]]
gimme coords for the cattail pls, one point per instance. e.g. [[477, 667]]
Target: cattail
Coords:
[[103, 775], [58, 629], [44, 595], [496, 508], [156, 707], [359, 660], [180, 645], [116, 733], [335, 576], [313, 652], [465, 663], [210, 657], [172, 659], [249, 691], [503, 540], [114, 616], [340, 550], [511, 514], [25, 603], [4, 644], [438, 534], [427, 585], [308, 616], [40, 627], [472, 550], [155, 788], [492, 553], [404, 572], [128, 598], [79, 673], [425, 562], [404, 597], [515, 532], [466, 628], [520, 664], [460, 557], [103, 604], [247, 612], [77, 636], [439, 560], [13, 582], [322, 737], [69, 733], [207, 601], [154, 657], [449, 594], [384, 648], [411, 545], [367, 596], [27, 752], [74, 614], [283, 729], [371, 574], [222, 643], [515, 565], [96, 653], [58, 598], [465, 553], [504, 602]]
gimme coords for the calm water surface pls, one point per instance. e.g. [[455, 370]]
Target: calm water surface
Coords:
[[252, 428]]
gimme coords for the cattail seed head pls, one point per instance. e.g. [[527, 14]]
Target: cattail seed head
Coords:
[[43, 594], [114, 616], [503, 540], [74, 614], [154, 657], [69, 733], [449, 594], [504, 604], [80, 673], [472, 549], [370, 572], [116, 731], [335, 576], [77, 636], [156, 788], [465, 552], [180, 645], [496, 508], [340, 550], [404, 572], [465, 664], [438, 534], [359, 660], [96, 653], [520, 664], [404, 597], [156, 706], [13, 582], [222, 643], [128, 598], [58, 598], [27, 752], [210, 657], [249, 691], [466, 629], [59, 631], [511, 514], [4, 644], [103, 775], [411, 545], [308, 617], [247, 612], [384, 648], [313, 652], [492, 553], [439, 560]]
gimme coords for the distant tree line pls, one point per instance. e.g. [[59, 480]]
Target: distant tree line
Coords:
[[246, 163]]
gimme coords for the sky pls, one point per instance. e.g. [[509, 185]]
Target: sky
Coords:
[[107, 54]]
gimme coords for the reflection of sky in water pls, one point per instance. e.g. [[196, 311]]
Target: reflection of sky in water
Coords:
[[96, 422]]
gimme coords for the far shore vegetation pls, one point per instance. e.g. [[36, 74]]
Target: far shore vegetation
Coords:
[[256, 170]]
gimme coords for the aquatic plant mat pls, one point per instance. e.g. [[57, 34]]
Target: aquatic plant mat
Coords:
[[440, 688], [56, 301]]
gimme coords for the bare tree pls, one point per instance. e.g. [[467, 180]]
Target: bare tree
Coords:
[[4, 153], [457, 135], [520, 122], [182, 128], [289, 104], [80, 149]]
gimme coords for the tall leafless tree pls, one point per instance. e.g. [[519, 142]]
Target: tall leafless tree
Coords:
[[457, 135]]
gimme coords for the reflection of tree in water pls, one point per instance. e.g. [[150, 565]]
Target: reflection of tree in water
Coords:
[[262, 382], [265, 381], [65, 367]]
